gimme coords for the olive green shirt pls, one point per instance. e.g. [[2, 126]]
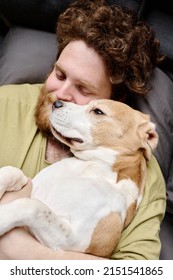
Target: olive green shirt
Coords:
[[23, 145]]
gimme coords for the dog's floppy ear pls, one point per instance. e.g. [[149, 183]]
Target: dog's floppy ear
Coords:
[[149, 138]]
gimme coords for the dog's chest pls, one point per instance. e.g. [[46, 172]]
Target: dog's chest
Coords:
[[67, 169], [84, 194], [71, 185]]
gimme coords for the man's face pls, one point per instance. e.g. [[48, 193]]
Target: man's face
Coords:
[[79, 75]]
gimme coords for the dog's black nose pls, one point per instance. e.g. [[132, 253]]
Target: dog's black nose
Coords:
[[57, 104]]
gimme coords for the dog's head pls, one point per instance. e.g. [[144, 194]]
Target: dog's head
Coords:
[[103, 123]]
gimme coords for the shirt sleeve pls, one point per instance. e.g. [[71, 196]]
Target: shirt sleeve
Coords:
[[140, 240], [21, 143]]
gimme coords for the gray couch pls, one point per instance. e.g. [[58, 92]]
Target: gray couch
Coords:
[[28, 50]]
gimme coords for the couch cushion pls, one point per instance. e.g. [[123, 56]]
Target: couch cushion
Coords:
[[166, 238], [43, 14], [37, 14], [158, 104], [162, 24], [26, 56]]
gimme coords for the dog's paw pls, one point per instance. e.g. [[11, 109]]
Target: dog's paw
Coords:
[[11, 179]]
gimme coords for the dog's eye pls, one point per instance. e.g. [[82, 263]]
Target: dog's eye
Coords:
[[98, 111]]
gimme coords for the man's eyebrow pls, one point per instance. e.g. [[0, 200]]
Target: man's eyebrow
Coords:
[[82, 82], [87, 84], [57, 67]]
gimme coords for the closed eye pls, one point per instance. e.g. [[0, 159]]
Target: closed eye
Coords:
[[60, 76], [84, 90]]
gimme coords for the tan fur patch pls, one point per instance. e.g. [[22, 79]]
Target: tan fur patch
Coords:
[[105, 236], [132, 167]]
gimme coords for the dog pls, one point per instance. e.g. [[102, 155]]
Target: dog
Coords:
[[83, 203]]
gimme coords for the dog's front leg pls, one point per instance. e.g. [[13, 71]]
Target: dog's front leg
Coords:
[[47, 227], [11, 179]]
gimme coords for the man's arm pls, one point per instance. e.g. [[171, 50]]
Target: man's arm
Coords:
[[20, 245]]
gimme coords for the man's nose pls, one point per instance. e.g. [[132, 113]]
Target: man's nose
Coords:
[[65, 93]]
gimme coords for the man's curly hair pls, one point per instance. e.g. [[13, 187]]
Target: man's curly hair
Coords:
[[127, 45]]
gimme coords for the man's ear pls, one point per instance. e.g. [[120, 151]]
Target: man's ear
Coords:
[[149, 138]]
